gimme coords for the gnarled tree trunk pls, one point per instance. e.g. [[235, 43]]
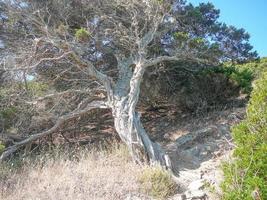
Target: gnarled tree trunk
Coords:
[[128, 123], [136, 138]]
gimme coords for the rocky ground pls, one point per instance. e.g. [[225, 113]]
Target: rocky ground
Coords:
[[197, 156], [197, 146]]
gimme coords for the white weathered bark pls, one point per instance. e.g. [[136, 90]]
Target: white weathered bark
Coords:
[[128, 123], [131, 131]]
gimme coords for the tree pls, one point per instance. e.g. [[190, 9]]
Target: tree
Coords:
[[98, 52]]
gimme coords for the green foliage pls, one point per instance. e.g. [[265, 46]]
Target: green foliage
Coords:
[[37, 88], [13, 110], [196, 13], [247, 174], [4, 92], [82, 35], [8, 112], [257, 66], [210, 187], [196, 42], [157, 183], [2, 147], [242, 77], [160, 1], [7, 115], [181, 36]]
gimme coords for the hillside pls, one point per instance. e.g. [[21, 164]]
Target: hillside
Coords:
[[129, 99]]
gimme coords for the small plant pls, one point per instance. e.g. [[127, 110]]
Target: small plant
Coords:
[[157, 183], [196, 42], [244, 79], [160, 1], [211, 188], [82, 35], [2, 147], [62, 29], [121, 150], [37, 88], [8, 113], [181, 36]]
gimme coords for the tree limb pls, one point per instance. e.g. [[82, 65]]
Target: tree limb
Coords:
[[40, 62], [57, 94], [56, 127]]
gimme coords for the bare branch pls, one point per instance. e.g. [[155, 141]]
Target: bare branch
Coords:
[[57, 94], [64, 55], [89, 69], [55, 128]]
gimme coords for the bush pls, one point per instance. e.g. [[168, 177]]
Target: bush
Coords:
[[157, 183], [246, 176], [7, 116], [14, 110], [242, 77], [37, 88], [2, 147], [257, 66], [82, 35], [181, 36]]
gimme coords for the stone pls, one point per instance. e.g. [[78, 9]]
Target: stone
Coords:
[[196, 195], [196, 185]]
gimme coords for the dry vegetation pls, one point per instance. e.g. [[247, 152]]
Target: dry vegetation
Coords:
[[89, 175]]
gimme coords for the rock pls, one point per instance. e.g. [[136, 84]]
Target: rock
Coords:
[[195, 191], [196, 185], [190, 138], [198, 155], [136, 197], [196, 195], [224, 129], [234, 118]]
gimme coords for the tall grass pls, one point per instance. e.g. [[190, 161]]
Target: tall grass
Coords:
[[105, 173]]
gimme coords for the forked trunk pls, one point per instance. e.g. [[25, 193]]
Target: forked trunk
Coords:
[[131, 131]]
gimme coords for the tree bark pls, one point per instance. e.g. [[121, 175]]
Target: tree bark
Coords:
[[136, 138], [129, 127]]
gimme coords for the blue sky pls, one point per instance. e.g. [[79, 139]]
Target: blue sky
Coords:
[[247, 14]]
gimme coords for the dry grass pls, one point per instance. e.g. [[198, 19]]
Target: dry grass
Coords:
[[157, 182], [95, 175]]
